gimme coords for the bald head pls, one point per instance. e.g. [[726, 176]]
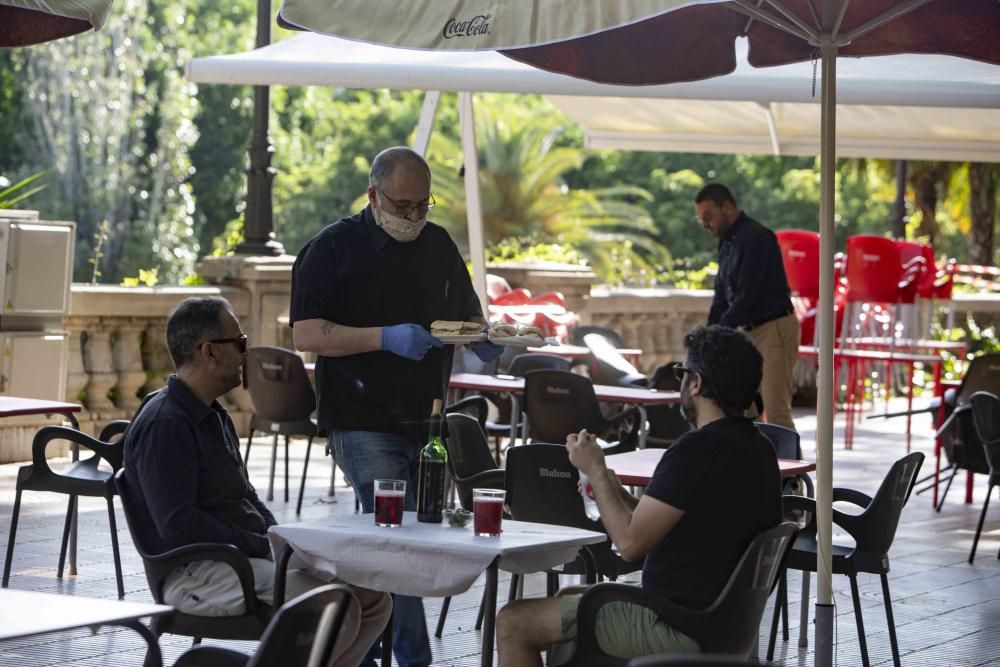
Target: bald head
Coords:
[[398, 158]]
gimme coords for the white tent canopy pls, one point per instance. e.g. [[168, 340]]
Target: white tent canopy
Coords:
[[908, 106]]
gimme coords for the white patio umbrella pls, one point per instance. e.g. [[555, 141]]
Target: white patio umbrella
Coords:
[[645, 42]]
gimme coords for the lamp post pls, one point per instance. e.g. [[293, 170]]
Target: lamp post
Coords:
[[258, 221]]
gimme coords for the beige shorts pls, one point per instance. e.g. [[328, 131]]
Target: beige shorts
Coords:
[[627, 630]]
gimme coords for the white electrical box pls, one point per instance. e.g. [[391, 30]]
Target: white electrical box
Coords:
[[34, 364], [38, 266]]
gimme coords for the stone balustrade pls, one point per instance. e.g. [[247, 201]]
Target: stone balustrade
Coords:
[[117, 347]]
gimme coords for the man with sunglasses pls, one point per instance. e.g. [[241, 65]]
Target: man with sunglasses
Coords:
[[752, 294], [714, 490], [364, 293], [188, 484]]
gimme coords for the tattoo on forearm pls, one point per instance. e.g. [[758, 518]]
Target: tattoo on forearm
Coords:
[[326, 328]]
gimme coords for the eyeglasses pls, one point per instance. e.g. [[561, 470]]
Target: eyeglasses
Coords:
[[679, 372], [404, 209], [241, 342]]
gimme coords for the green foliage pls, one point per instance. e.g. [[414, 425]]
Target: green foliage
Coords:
[[100, 239], [978, 339], [147, 277], [529, 249], [13, 194]]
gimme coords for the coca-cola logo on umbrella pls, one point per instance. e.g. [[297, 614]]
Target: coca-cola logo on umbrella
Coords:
[[477, 25]]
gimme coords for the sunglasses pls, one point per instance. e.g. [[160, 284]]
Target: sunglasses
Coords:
[[679, 372], [241, 342]]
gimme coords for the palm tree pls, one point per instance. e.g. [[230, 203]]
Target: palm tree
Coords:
[[522, 166]]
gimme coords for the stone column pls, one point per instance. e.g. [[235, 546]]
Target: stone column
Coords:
[[126, 359], [97, 361]]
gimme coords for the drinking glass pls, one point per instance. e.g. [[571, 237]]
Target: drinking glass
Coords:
[[487, 510], [389, 497]]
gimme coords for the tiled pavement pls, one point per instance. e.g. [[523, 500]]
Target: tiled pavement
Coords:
[[947, 611]]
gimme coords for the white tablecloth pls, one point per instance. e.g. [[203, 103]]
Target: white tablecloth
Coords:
[[427, 560]]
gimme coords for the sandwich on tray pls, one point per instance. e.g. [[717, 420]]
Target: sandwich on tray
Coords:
[[454, 328]]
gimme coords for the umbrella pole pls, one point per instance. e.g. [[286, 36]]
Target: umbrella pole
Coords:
[[473, 202], [824, 407]]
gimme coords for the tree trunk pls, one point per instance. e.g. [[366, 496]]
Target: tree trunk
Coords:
[[925, 180], [983, 179]]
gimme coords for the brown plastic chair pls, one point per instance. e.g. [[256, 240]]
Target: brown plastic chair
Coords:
[[558, 403], [283, 402], [727, 627], [81, 478], [302, 633]]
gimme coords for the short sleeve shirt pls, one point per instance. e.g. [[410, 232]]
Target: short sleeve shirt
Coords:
[[725, 477], [354, 274]]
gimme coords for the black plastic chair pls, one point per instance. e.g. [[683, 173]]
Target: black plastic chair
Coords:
[[469, 459], [986, 417], [283, 402], [471, 466], [81, 478], [558, 403], [158, 566], [873, 531], [576, 334], [302, 633], [610, 367], [687, 660], [956, 432], [542, 487], [728, 627], [522, 364]]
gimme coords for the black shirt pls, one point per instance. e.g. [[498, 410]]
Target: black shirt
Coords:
[[751, 287], [725, 477], [354, 274], [188, 481]]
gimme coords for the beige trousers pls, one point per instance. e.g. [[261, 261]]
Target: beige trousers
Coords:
[[778, 343], [211, 588]]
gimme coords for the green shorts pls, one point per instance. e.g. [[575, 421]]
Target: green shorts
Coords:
[[627, 630]]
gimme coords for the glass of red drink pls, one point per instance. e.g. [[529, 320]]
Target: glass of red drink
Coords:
[[389, 497], [487, 511]]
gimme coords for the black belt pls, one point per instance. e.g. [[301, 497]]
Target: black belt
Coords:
[[761, 322]]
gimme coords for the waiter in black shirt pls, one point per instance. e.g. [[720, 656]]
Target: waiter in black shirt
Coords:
[[752, 294], [364, 293]]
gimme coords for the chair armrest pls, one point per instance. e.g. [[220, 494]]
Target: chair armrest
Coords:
[[858, 498], [688, 621], [804, 504], [476, 403], [161, 565], [112, 453], [491, 479], [113, 429]]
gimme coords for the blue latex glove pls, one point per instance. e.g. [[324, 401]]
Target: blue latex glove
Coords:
[[411, 341], [485, 350]]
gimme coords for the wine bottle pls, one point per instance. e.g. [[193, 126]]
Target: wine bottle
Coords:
[[433, 460]]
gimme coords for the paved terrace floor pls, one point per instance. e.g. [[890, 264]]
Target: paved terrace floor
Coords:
[[947, 611]]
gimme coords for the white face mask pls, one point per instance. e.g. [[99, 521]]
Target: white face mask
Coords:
[[402, 229]]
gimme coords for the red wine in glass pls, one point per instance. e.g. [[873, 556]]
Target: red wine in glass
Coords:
[[487, 516], [389, 508]]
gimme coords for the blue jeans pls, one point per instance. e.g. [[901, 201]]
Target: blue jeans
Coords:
[[365, 456]]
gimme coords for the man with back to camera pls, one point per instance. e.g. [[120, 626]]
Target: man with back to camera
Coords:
[[188, 484], [752, 294], [713, 491], [364, 293]]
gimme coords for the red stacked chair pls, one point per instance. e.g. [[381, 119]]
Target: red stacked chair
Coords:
[[800, 255]]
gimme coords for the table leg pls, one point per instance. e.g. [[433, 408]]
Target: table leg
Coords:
[[490, 602], [387, 642], [72, 524], [153, 656], [643, 429], [968, 487], [515, 416], [909, 408]]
